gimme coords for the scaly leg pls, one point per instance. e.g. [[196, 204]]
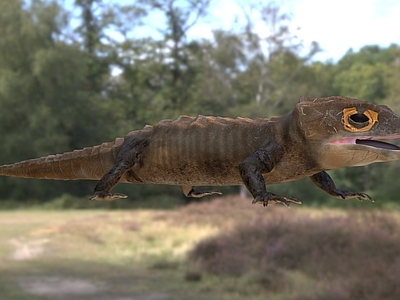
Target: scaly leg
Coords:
[[325, 183], [251, 170], [129, 155]]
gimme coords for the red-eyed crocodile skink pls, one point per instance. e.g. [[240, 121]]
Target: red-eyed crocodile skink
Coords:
[[319, 134]]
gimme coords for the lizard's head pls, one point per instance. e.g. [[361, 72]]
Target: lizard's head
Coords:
[[348, 132]]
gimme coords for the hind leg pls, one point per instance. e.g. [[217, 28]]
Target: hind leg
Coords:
[[129, 155]]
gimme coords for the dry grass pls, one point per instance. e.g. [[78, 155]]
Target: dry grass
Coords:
[[222, 249], [339, 255]]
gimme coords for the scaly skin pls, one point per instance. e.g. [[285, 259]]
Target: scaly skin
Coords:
[[319, 134]]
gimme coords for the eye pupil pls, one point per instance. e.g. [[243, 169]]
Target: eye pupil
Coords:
[[359, 118], [355, 120]]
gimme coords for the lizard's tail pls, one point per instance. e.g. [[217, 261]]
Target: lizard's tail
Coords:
[[88, 163]]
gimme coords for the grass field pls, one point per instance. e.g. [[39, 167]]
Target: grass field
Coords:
[[222, 249]]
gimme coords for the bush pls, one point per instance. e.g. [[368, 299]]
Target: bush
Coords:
[[353, 256]]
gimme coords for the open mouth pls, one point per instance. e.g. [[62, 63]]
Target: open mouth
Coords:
[[370, 141]]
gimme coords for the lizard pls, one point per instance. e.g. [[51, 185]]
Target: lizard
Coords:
[[319, 135]]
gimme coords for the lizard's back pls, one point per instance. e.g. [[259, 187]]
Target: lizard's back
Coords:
[[200, 150]]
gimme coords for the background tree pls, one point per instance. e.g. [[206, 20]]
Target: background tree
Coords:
[[161, 72], [45, 106], [274, 62]]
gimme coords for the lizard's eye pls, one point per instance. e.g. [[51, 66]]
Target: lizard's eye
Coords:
[[359, 120], [356, 121]]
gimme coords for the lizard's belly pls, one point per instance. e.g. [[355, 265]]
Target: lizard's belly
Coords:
[[211, 174]]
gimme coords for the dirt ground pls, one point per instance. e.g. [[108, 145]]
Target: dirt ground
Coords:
[[64, 287]]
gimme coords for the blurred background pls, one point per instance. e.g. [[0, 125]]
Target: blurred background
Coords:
[[76, 73]]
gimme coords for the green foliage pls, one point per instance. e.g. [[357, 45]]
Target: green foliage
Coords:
[[365, 74], [45, 106]]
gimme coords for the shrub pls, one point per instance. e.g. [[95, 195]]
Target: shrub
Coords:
[[352, 256]]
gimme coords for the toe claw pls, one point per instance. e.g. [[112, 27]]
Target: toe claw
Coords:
[[270, 197]]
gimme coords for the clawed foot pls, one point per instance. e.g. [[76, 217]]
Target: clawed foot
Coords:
[[190, 191], [106, 196], [346, 195], [362, 196], [198, 194], [268, 197]]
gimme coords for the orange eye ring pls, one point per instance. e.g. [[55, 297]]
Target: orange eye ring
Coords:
[[351, 124]]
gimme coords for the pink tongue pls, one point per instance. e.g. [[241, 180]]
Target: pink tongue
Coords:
[[378, 144]]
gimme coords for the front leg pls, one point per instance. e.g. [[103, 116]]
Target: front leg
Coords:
[[251, 169], [325, 183]]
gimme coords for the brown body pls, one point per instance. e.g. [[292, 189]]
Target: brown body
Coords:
[[320, 134], [208, 151]]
